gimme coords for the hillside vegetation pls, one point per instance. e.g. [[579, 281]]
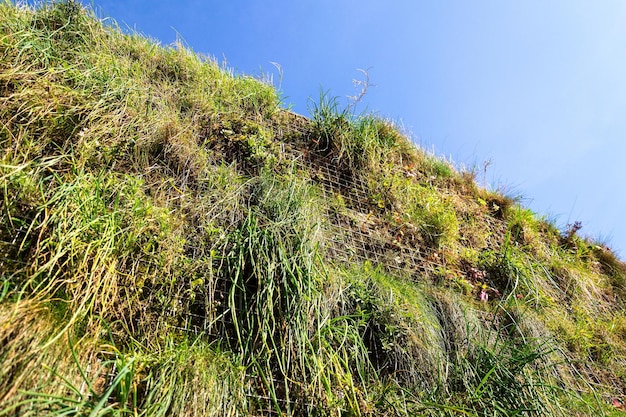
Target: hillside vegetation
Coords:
[[174, 242]]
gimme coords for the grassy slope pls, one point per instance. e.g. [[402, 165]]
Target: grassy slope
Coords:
[[143, 187]]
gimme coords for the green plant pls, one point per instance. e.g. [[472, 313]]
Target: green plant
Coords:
[[169, 219]]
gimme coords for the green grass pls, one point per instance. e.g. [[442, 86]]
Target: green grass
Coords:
[[146, 190]]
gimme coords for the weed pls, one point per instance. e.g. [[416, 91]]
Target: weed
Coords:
[[168, 247]]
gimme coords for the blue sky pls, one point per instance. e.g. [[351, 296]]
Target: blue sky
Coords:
[[538, 88]]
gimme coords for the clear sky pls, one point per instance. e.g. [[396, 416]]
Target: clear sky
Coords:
[[538, 88]]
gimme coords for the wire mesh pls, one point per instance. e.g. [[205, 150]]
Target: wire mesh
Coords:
[[359, 232]]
